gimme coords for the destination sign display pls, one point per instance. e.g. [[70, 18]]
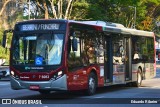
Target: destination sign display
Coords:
[[32, 27]]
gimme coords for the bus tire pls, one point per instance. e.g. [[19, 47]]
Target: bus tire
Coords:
[[92, 84], [138, 83], [44, 91]]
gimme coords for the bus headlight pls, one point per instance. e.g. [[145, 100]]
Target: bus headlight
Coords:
[[60, 73], [57, 75], [13, 74]]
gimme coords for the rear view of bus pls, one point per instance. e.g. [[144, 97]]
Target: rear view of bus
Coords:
[[36, 61]]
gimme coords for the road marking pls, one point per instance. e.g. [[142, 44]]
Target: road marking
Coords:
[[5, 84], [87, 99], [99, 97]]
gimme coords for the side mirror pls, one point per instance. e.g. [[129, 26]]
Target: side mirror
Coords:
[[74, 44]]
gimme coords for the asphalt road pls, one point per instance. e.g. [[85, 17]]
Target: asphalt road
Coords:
[[113, 95]]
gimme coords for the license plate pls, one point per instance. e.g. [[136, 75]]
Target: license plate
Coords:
[[34, 87]]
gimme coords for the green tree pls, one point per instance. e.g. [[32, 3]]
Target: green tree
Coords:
[[117, 11], [10, 12], [4, 52], [58, 9]]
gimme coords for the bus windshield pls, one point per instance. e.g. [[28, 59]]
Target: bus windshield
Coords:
[[37, 49]]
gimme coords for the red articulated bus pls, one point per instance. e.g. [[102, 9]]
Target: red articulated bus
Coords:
[[49, 55]]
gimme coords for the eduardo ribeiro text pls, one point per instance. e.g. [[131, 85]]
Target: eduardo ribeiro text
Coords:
[[146, 101]]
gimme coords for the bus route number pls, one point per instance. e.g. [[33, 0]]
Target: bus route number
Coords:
[[43, 76]]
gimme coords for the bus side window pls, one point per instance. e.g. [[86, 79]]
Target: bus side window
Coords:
[[136, 49], [74, 59], [118, 52], [143, 48], [90, 51]]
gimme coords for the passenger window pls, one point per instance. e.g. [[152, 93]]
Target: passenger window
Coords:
[[143, 48], [74, 57], [118, 51]]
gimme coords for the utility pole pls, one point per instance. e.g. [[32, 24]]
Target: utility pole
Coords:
[[29, 10], [135, 12]]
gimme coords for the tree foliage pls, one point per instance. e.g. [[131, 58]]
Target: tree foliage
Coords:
[[10, 12], [147, 12], [58, 9]]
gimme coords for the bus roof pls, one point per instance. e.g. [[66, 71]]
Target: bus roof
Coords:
[[105, 26], [117, 28]]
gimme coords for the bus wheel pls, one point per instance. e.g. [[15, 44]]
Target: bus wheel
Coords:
[[92, 84], [44, 91], [138, 83]]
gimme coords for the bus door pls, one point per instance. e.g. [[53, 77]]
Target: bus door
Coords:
[[118, 58], [108, 62], [128, 65]]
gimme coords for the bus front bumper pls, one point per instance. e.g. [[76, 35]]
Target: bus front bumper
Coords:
[[59, 84]]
